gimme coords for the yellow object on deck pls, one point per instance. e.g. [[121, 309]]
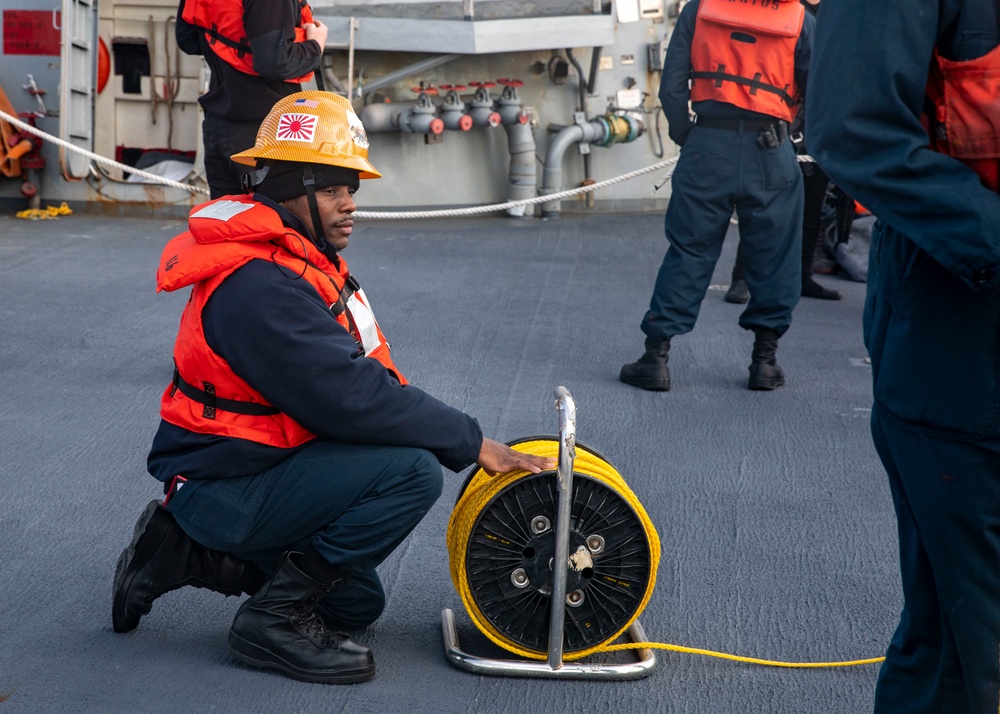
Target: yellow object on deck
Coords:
[[498, 528], [47, 213]]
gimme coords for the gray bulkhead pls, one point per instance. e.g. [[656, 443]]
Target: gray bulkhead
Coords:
[[382, 54]]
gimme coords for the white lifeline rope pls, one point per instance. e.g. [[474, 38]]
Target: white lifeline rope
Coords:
[[538, 199], [99, 159], [523, 202], [371, 215]]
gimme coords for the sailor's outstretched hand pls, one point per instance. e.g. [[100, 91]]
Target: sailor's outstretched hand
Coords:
[[496, 458]]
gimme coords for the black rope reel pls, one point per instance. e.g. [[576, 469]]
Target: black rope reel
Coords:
[[509, 561]]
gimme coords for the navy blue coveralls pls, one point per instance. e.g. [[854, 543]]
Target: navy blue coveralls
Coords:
[[354, 493], [720, 170], [932, 328]]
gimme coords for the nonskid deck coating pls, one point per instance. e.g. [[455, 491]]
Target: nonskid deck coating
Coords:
[[777, 528]]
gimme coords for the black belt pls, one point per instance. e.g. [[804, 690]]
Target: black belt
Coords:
[[735, 124]]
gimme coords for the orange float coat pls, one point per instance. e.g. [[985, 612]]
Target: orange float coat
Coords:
[[743, 54], [206, 397], [222, 21], [966, 112]]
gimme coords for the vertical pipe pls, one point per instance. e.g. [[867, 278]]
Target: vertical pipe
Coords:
[[588, 133], [522, 173], [587, 178], [582, 81], [350, 60], [595, 64]]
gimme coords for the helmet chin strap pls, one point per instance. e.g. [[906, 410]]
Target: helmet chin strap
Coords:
[[309, 181]]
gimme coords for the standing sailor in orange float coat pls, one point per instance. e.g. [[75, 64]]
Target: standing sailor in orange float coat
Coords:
[[905, 118], [965, 112], [222, 23], [757, 75], [741, 66], [257, 52]]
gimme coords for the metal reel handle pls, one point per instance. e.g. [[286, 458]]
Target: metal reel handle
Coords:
[[564, 476]]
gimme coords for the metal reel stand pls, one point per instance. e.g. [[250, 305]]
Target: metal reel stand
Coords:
[[555, 667]]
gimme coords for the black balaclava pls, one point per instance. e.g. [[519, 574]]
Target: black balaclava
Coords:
[[285, 180]]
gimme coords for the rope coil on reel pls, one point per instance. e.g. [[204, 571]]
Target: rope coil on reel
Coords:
[[508, 533], [501, 543]]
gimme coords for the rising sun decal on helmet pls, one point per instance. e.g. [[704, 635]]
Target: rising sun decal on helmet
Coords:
[[296, 127]]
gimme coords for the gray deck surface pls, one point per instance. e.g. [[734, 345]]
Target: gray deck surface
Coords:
[[776, 523]]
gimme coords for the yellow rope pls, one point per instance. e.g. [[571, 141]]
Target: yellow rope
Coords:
[[735, 658], [482, 488]]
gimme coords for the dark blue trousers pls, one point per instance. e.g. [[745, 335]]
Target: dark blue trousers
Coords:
[[945, 654], [353, 503], [223, 138], [935, 349], [720, 171]]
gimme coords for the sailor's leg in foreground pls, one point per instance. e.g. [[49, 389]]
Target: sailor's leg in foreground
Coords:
[[770, 214], [161, 558], [317, 522]]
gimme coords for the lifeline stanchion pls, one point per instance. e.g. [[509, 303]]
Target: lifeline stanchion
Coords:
[[555, 667]]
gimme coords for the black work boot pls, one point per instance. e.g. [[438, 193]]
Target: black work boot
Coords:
[[650, 371], [161, 558], [765, 374], [278, 628], [812, 289], [738, 292]]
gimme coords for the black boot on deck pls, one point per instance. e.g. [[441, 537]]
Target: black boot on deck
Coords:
[[279, 629], [161, 558], [765, 374], [650, 371], [812, 289], [738, 292]]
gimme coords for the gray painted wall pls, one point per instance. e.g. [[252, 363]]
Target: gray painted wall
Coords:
[[462, 168]]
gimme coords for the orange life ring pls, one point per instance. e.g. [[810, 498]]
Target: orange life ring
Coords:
[[103, 65]]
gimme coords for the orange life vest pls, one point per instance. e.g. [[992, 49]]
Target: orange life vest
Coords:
[[743, 53], [206, 397], [964, 119], [222, 21]]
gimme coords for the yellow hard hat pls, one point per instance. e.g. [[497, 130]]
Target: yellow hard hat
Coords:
[[313, 128]]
